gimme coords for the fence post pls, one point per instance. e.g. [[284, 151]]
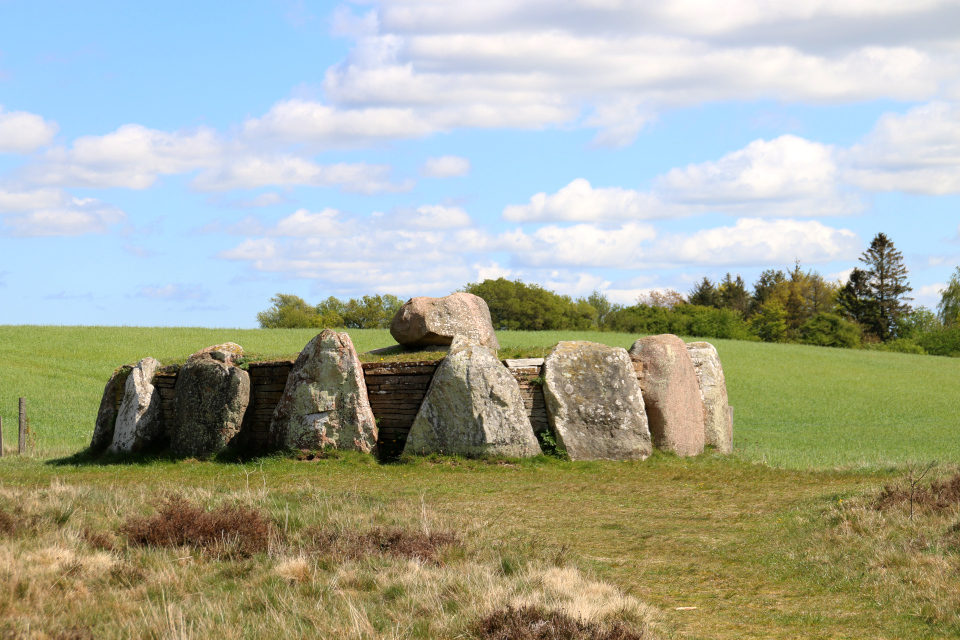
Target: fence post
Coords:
[[1, 436], [23, 426]]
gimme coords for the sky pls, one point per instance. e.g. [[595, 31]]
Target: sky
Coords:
[[180, 163]]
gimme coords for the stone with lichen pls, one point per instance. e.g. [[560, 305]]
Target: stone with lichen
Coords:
[[324, 402], [139, 424], [594, 403], [671, 394], [211, 397], [107, 414], [718, 427], [424, 321], [473, 408]]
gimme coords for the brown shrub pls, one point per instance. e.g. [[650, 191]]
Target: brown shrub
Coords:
[[98, 539], [380, 541], [533, 623], [180, 523], [937, 497]]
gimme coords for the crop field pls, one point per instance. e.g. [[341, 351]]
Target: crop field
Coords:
[[810, 529]]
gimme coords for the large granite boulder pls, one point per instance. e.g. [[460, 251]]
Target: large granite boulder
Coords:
[[107, 415], [423, 321], [473, 407], [718, 427], [212, 394], [671, 394], [325, 399], [138, 424], [594, 403]]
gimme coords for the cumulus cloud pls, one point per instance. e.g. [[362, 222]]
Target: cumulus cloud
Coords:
[[784, 177], [917, 152], [445, 167], [787, 176], [23, 132], [52, 212], [579, 201], [252, 172]]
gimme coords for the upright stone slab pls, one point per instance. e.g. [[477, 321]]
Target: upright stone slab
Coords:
[[139, 421], [718, 427], [107, 415], [212, 394], [473, 407], [594, 403], [423, 321], [325, 400], [671, 394]]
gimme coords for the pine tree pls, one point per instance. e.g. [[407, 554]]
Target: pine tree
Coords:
[[705, 294], [733, 294], [887, 282], [855, 299]]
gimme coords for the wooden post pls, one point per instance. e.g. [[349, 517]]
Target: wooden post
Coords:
[[1, 436], [23, 426]]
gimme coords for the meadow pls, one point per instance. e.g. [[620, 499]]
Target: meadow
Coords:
[[795, 406], [794, 535]]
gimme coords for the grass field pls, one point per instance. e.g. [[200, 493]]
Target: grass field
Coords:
[[795, 406], [706, 547]]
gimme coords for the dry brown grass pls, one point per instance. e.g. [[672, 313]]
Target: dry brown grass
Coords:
[[353, 545], [938, 496], [101, 562]]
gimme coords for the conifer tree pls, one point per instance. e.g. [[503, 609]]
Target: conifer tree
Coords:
[[888, 286], [704, 294], [733, 294]]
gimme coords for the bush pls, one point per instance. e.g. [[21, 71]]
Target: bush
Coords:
[[830, 330], [897, 345], [943, 342], [529, 307]]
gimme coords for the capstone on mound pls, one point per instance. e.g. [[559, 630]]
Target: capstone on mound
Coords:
[[424, 321]]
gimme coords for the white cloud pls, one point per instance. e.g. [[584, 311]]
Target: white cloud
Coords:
[[251, 172], [445, 167], [23, 132], [928, 295], [304, 224], [179, 292], [267, 199], [53, 212], [787, 176], [579, 201], [70, 217], [435, 216], [917, 152]]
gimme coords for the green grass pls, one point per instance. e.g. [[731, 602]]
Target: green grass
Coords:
[[795, 406]]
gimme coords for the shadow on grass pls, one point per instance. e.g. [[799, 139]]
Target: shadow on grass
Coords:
[[87, 458]]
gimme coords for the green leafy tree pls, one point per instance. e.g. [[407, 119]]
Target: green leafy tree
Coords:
[[830, 330], [603, 308], [370, 312], [770, 324], [888, 286], [528, 307], [288, 312], [949, 307], [764, 287]]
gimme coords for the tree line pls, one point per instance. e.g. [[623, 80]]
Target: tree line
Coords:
[[871, 310]]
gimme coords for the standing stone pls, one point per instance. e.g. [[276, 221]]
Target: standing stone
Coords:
[[325, 399], [423, 321], [671, 394], [718, 427], [473, 408], [211, 396], [594, 402], [139, 423], [107, 415]]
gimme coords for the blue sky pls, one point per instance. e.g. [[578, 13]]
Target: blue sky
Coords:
[[181, 163]]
